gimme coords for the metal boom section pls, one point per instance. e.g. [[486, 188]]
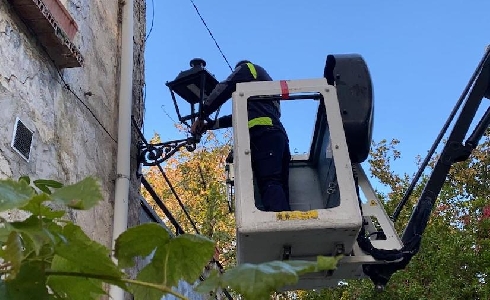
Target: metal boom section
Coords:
[[455, 150]]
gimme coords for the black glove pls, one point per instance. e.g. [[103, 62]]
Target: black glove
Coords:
[[229, 158]]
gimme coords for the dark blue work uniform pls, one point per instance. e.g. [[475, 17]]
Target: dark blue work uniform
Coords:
[[269, 143]]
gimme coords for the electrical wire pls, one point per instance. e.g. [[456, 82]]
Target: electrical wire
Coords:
[[68, 88], [167, 114], [152, 19], [161, 205], [211, 34], [216, 116]]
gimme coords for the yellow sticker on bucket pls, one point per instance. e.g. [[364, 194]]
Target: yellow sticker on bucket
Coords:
[[373, 203], [296, 215]]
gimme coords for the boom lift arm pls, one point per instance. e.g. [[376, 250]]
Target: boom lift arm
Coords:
[[456, 149]]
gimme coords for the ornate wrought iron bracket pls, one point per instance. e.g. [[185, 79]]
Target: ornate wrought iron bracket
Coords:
[[192, 86], [155, 154]]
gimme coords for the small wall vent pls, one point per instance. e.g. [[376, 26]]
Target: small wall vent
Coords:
[[22, 139]]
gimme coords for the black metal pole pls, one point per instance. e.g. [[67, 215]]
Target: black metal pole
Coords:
[[201, 95], [178, 198], [159, 202], [175, 105]]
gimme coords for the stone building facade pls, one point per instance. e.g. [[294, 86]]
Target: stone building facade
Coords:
[[70, 111], [59, 84]]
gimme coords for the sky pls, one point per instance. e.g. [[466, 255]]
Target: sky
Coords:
[[420, 56]]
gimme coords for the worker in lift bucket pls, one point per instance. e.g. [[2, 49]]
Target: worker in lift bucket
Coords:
[[269, 142]]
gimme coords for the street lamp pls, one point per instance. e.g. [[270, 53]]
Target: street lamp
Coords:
[[192, 85]]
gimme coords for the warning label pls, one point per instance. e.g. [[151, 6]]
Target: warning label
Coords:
[[296, 215]]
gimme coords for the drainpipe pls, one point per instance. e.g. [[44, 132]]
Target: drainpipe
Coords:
[[123, 132]]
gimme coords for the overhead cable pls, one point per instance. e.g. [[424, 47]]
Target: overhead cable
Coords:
[[211, 34]]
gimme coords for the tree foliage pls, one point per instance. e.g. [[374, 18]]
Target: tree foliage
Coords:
[[453, 261], [198, 179]]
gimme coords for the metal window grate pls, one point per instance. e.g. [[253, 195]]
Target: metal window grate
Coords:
[[22, 139]]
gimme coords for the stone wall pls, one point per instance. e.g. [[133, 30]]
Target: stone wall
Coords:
[[73, 112]]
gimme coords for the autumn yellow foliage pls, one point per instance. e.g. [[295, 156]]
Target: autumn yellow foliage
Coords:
[[198, 179]]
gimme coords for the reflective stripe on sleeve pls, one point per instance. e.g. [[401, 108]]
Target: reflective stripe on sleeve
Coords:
[[251, 67]]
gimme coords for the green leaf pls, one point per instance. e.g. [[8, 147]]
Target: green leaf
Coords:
[[183, 257], [30, 283], [152, 273], [258, 281], [82, 195], [36, 207], [26, 179], [44, 185], [33, 228], [14, 194], [139, 241], [322, 263], [13, 253], [88, 255], [328, 262], [71, 287]]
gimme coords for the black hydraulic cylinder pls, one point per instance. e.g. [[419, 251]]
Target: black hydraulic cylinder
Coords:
[[479, 131]]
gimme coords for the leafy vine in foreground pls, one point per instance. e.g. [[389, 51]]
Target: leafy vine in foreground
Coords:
[[45, 256]]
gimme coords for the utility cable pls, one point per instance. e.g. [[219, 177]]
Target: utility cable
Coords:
[[152, 19], [167, 114], [217, 45], [68, 88], [211, 34]]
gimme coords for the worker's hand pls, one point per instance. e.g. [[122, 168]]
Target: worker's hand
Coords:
[[198, 127]]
